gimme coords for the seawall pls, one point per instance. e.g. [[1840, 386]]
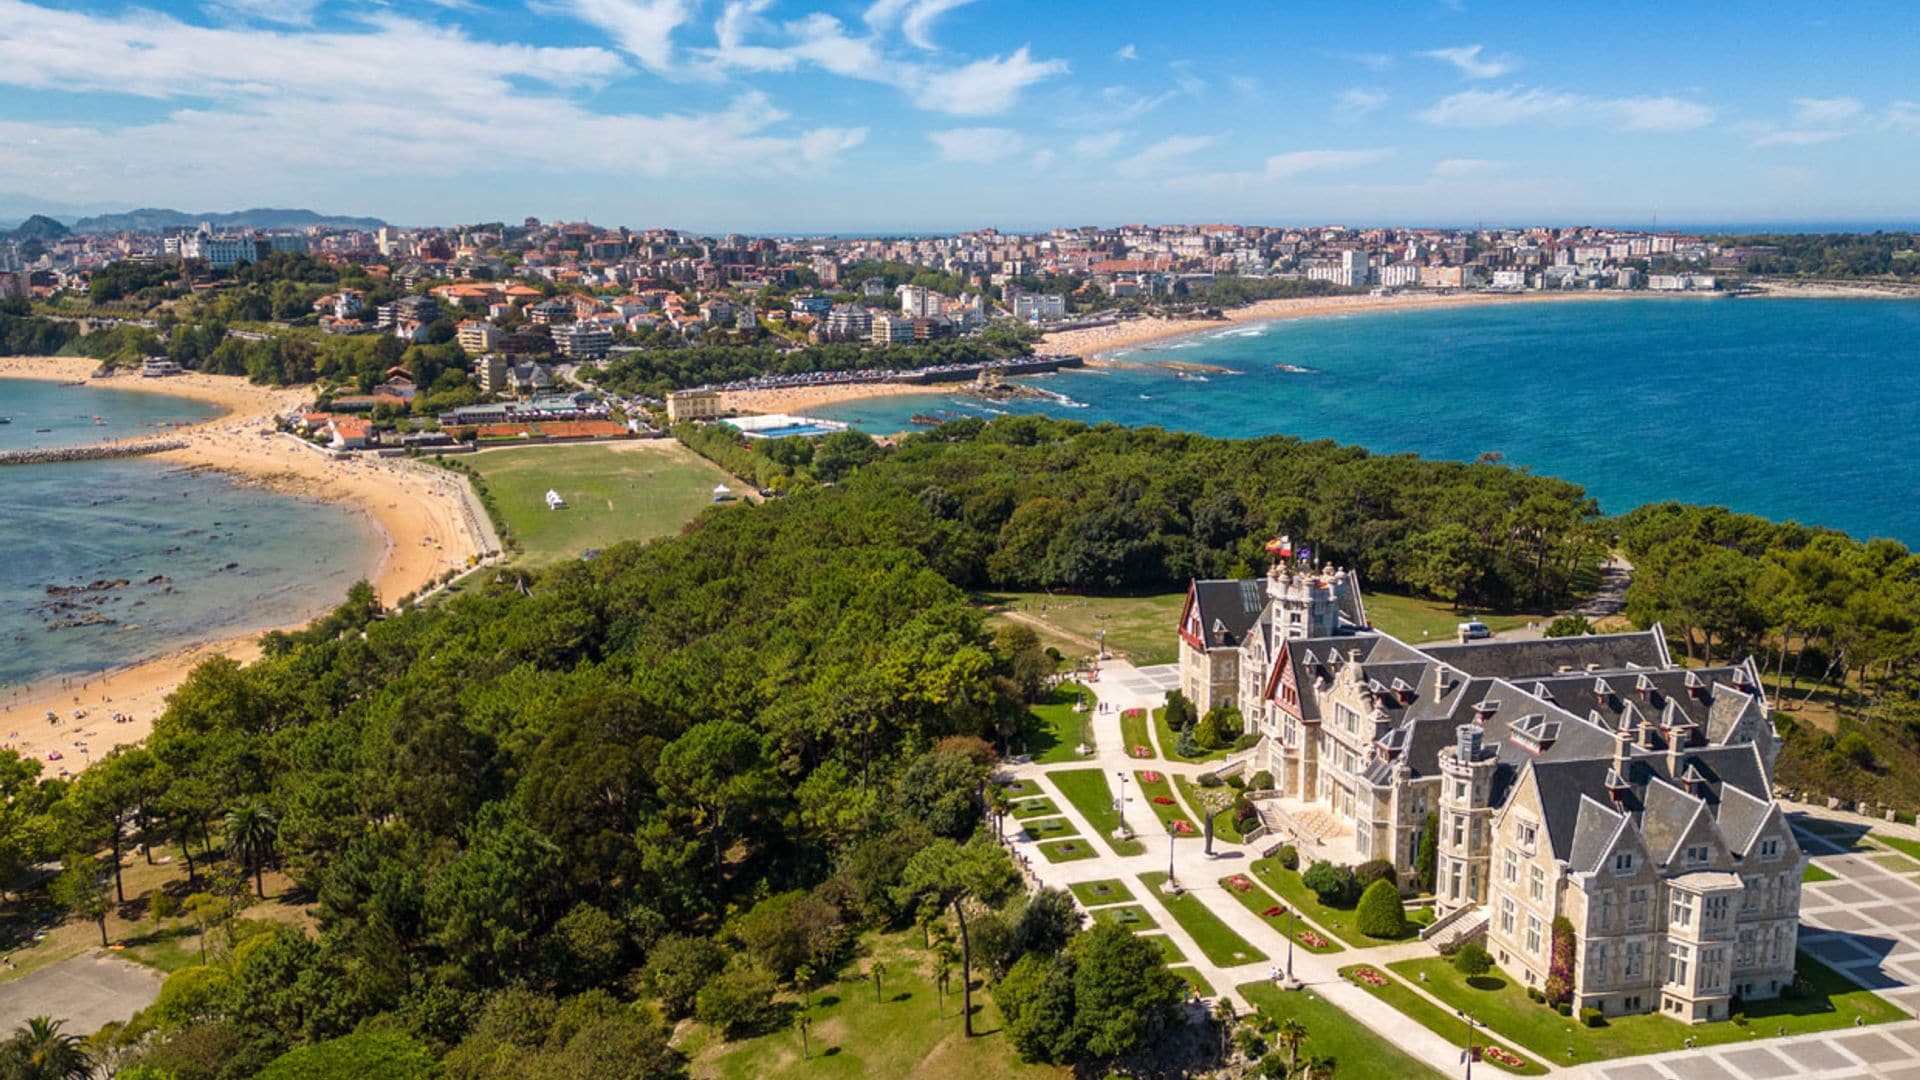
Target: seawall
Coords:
[[48, 455]]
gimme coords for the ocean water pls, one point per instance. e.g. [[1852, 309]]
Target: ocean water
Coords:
[[202, 556], [1804, 409]]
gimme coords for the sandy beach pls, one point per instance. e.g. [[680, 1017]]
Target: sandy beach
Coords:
[[798, 399], [426, 516]]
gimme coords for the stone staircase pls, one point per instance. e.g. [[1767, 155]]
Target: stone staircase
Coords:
[[1456, 928]]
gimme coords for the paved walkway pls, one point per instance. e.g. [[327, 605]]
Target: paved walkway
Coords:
[[83, 992], [1119, 687]]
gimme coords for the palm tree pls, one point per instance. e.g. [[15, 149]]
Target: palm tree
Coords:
[[878, 969], [39, 1050], [999, 805], [251, 831], [803, 1022], [1291, 1034]]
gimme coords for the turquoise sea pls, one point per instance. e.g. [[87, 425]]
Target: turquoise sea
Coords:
[[203, 557], [1806, 409]]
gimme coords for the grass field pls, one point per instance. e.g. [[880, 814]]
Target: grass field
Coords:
[[1054, 731], [614, 492], [1059, 851], [1141, 627], [1356, 1050], [1200, 985], [912, 1031], [1105, 891], [1216, 939], [1441, 1022], [1223, 827], [1049, 828], [1814, 873], [1087, 790], [1336, 921], [1033, 808], [1133, 731], [1170, 743], [1172, 817], [1260, 901], [1898, 843], [1502, 1003], [1414, 620], [1132, 916]]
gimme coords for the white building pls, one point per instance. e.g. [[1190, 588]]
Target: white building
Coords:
[[1030, 306], [1354, 271], [583, 340]]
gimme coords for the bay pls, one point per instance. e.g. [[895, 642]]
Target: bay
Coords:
[[1803, 409]]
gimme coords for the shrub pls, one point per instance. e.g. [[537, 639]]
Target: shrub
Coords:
[[1247, 742], [1332, 884], [1237, 782], [1564, 1008], [678, 966], [1534, 994], [1374, 870], [1471, 960], [1593, 1018], [1261, 781], [1187, 746], [1856, 749], [1180, 712], [1380, 914], [736, 1002], [1209, 780], [1559, 988], [1288, 857]]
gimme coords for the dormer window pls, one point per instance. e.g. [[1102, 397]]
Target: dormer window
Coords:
[[1770, 848], [1528, 834], [1696, 856], [1623, 863]]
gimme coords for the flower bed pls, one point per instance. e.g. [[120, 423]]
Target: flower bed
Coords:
[[1503, 1057], [1240, 883], [1369, 976], [1311, 940], [1151, 777], [1134, 714], [1183, 827], [1141, 752], [1162, 800], [1274, 912]]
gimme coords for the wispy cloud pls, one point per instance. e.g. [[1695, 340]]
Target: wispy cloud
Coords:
[[1473, 61], [988, 86], [1813, 112], [642, 28], [914, 17], [285, 12], [1798, 137], [1497, 108], [1169, 151], [1098, 146], [1358, 101], [977, 145], [1126, 52], [1372, 61], [1299, 162], [1902, 116], [1460, 168]]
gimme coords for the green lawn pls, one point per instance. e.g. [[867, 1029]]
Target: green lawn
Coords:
[[1054, 731], [1814, 873], [1356, 1049], [1033, 808], [1020, 789], [1260, 901], [1095, 893], [620, 491], [1502, 1002], [1223, 826], [1899, 843], [913, 1031], [1052, 828], [1216, 939], [1059, 851], [1169, 742], [1087, 790], [1336, 921], [1168, 812], [1899, 864], [1441, 1022], [1132, 916], [1144, 628], [1133, 731], [1415, 620], [1200, 985], [1169, 952]]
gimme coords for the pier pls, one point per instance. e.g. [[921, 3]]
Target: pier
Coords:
[[49, 455]]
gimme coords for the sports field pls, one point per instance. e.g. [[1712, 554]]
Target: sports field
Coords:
[[614, 491]]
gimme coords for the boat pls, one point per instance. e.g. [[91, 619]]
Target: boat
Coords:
[[6, 419], [42, 430]]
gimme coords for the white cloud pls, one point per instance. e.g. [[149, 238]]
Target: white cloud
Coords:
[[1469, 60], [1098, 146], [914, 17], [977, 145], [642, 28], [1297, 162], [1903, 116], [1495, 108], [275, 112], [1126, 52], [1372, 61], [1043, 159], [1456, 168], [285, 12], [1797, 138], [1358, 101], [985, 87], [1168, 151], [1813, 112]]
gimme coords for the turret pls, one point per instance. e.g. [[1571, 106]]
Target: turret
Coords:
[[1466, 798]]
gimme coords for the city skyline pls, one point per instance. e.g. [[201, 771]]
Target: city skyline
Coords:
[[937, 115]]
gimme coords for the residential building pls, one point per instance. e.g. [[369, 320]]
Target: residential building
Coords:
[[478, 336], [1033, 307], [583, 340], [892, 330], [700, 404], [490, 372], [1353, 271]]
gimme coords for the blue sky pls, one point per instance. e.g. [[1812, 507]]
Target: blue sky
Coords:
[[774, 115]]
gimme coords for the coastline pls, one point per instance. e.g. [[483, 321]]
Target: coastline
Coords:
[[421, 514], [789, 399]]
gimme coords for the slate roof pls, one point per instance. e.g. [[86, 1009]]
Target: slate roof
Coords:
[[1229, 608], [1705, 696], [1656, 799], [1547, 656]]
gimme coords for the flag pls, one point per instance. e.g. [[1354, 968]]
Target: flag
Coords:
[[1282, 547], [1306, 554]]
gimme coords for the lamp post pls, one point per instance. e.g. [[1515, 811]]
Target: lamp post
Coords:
[[1123, 803], [1468, 1017], [1292, 917], [1172, 881]]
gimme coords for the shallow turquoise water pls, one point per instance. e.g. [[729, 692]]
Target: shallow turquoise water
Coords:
[[1803, 409], [228, 558]]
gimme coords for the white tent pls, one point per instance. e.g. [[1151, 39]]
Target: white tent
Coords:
[[721, 493], [554, 501]]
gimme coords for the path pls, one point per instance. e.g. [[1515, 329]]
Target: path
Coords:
[[84, 992]]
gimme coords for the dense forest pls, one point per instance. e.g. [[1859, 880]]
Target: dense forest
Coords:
[[1834, 255], [656, 371]]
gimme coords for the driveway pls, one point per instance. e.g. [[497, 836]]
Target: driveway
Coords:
[[84, 992]]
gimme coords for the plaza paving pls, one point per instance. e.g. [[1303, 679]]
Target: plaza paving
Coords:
[[84, 992], [1866, 923]]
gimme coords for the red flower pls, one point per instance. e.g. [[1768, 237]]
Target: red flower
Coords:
[[1239, 883], [1183, 826], [1274, 912], [1150, 777], [1312, 940], [1369, 976], [1163, 800]]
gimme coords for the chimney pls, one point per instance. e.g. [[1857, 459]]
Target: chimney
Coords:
[[1622, 752], [1466, 742], [1676, 748]]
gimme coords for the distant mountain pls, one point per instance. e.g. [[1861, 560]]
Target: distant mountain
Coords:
[[155, 220], [38, 227]]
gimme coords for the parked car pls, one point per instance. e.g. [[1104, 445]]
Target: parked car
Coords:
[[1473, 630]]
